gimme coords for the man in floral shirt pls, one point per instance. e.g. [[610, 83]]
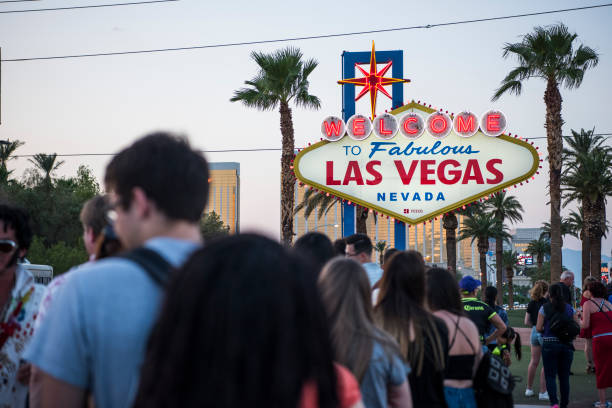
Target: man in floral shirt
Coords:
[[19, 300]]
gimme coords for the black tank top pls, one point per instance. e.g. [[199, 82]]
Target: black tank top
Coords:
[[460, 366]]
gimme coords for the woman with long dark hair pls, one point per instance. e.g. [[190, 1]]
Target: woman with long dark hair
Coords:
[[422, 337], [371, 354], [444, 300], [557, 355], [491, 300], [243, 326]]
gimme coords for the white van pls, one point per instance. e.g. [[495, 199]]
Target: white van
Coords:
[[43, 274]]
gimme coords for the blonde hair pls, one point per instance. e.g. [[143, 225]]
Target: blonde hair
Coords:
[[539, 290]]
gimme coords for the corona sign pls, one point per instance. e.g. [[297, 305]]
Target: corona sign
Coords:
[[415, 163]]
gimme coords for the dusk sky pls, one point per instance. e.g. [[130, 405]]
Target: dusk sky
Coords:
[[101, 104]]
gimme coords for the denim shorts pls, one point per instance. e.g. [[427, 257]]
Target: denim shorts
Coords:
[[460, 397], [536, 337]]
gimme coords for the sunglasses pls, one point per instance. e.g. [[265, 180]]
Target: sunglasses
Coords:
[[6, 245]]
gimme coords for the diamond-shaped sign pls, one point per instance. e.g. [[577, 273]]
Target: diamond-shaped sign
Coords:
[[414, 179]]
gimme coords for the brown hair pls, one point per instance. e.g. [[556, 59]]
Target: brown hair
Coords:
[[345, 291], [539, 290], [93, 214], [586, 282], [401, 307], [597, 289]]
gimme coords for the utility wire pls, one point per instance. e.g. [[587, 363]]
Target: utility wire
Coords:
[[83, 7], [256, 149], [312, 37], [16, 1]]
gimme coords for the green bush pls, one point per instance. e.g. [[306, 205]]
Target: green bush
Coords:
[[60, 256]]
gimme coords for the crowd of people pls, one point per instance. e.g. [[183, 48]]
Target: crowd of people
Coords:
[[157, 318]]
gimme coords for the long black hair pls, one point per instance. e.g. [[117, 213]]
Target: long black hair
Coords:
[[490, 296], [443, 291], [401, 307], [557, 299], [242, 326]]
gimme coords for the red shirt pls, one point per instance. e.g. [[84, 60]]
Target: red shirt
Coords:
[[347, 389]]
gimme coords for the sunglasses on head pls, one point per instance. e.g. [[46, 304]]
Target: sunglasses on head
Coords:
[[7, 245]]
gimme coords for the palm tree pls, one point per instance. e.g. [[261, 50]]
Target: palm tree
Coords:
[[314, 199], [6, 152], [580, 146], [576, 221], [503, 207], [480, 226], [549, 53], [282, 78], [590, 180], [380, 248], [46, 163], [566, 229], [510, 260], [450, 224], [539, 247]]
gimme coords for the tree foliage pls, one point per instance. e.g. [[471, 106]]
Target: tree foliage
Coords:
[[212, 226]]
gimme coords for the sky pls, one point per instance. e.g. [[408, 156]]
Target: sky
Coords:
[[102, 104]]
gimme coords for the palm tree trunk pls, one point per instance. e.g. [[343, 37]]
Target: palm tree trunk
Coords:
[[483, 247], [450, 226], [361, 217], [597, 222], [553, 101], [540, 260], [510, 276], [287, 176], [586, 253], [499, 252]]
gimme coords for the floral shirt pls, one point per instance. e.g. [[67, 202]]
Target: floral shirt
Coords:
[[16, 329]]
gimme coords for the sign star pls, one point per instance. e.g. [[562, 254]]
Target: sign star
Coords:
[[373, 81]]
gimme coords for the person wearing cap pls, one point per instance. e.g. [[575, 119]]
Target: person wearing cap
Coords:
[[479, 312]]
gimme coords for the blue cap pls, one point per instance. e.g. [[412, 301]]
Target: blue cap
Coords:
[[468, 283]]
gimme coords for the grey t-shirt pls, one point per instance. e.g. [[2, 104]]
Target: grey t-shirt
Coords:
[[383, 371], [95, 332]]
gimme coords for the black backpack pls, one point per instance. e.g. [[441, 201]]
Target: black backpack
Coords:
[[561, 325], [493, 383], [154, 264]]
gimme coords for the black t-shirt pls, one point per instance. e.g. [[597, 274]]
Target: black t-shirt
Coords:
[[428, 388], [480, 313], [533, 307]]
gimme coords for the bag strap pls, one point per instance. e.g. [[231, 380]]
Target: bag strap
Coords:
[[601, 308], [155, 265]]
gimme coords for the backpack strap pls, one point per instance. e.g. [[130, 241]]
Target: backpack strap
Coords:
[[155, 265]]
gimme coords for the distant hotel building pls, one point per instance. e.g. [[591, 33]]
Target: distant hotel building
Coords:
[[224, 193], [428, 238], [522, 237]]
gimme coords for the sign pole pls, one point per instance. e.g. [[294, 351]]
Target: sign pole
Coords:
[[349, 59]]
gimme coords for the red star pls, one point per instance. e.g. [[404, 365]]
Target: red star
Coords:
[[373, 81]]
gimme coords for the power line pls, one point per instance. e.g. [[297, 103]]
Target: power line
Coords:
[[247, 150], [83, 7], [257, 149], [312, 37], [16, 1]]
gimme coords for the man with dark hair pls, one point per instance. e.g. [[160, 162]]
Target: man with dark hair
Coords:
[[359, 247], [340, 247], [19, 300], [316, 247], [94, 337]]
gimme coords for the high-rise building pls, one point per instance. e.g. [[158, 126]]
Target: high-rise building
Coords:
[[428, 238], [522, 237], [224, 193]]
